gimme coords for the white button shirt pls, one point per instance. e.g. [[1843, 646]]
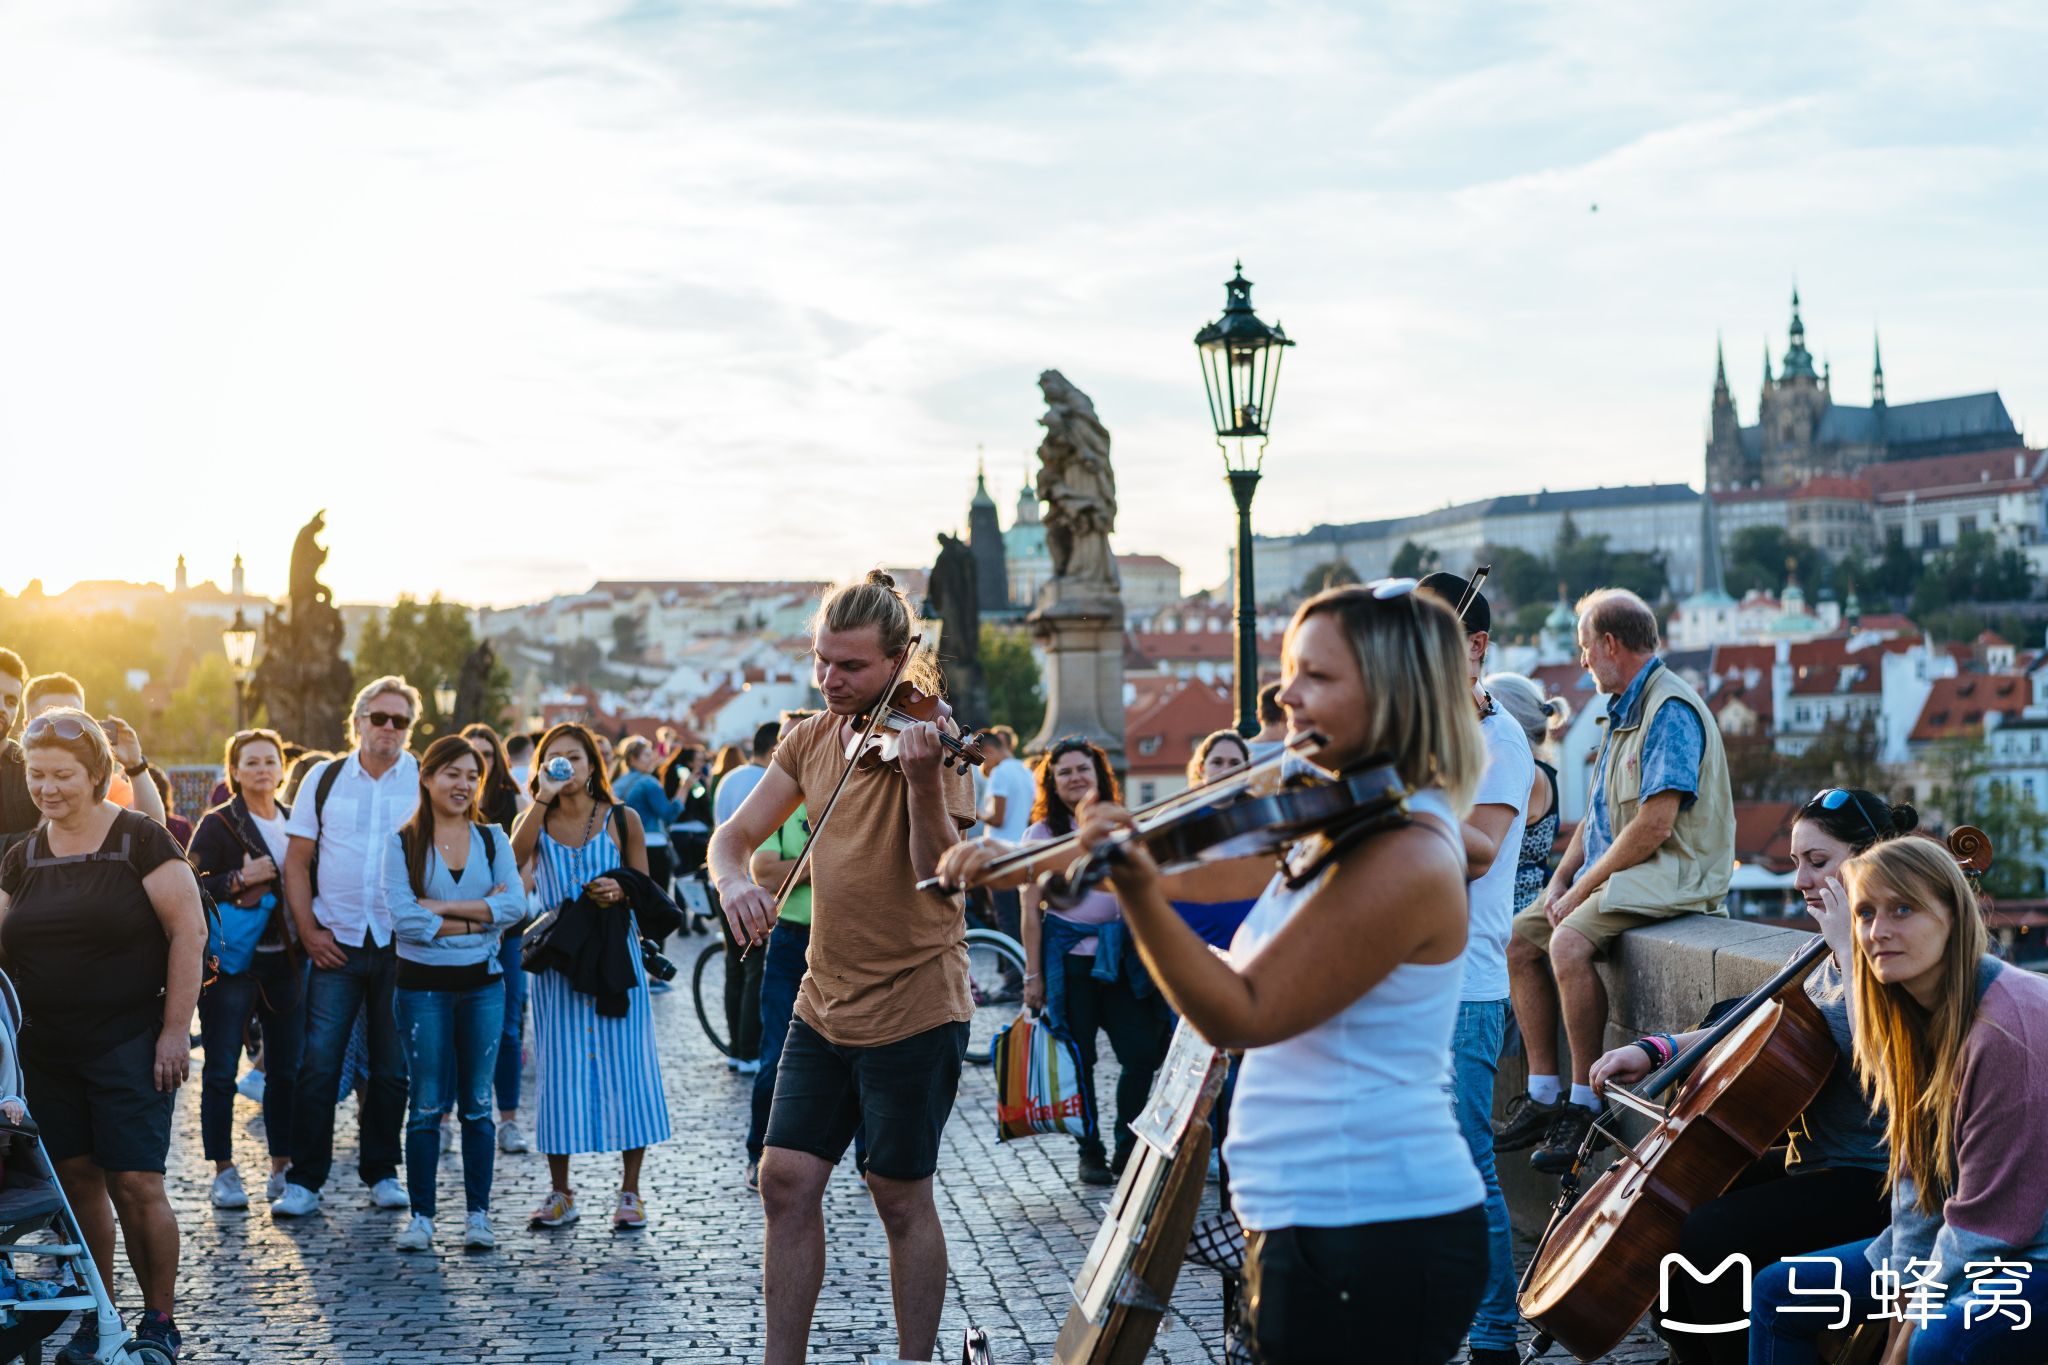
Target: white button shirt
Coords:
[[353, 829]]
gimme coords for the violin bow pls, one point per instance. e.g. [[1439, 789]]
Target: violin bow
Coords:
[[875, 714], [1472, 589]]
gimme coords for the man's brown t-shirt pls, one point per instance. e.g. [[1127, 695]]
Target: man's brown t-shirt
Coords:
[[886, 960]]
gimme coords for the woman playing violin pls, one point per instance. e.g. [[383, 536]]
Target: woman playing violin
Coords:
[[1836, 1157], [1348, 1168], [1954, 1043]]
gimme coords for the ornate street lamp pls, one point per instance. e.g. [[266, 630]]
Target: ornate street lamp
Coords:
[[239, 641], [1241, 371], [444, 705]]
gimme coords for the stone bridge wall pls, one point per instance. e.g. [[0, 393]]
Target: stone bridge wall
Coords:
[[1660, 979]]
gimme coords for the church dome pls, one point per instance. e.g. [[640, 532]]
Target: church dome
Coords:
[[1561, 618]]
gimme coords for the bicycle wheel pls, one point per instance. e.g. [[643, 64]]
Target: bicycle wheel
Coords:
[[707, 979], [995, 974]]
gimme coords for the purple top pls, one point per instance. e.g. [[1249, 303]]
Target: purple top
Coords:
[[1097, 907], [2000, 1203]]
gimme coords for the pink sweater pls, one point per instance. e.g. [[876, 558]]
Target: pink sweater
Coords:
[[2000, 1202]]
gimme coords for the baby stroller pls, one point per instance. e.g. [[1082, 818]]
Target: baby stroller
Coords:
[[32, 1201]]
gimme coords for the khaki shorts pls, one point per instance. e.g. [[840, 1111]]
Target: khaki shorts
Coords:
[[1599, 927]]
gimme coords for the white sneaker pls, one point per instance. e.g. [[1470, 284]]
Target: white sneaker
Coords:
[[296, 1202], [250, 1087], [510, 1139], [227, 1190], [389, 1194], [749, 1068], [273, 1188], [477, 1233], [418, 1234]]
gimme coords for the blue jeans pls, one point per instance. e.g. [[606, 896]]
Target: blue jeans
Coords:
[[276, 995], [515, 1022], [366, 982], [1777, 1338], [1475, 1056], [440, 1028], [781, 973]]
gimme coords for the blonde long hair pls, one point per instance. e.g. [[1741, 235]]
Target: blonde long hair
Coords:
[[1907, 1055], [1411, 651]]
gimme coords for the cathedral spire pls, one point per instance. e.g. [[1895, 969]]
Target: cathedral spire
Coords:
[[1798, 360], [1767, 362], [1720, 371], [1876, 371]]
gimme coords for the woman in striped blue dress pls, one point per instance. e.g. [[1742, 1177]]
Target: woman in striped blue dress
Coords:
[[597, 1081]]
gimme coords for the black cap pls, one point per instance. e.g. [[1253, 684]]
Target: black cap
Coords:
[[1452, 589]]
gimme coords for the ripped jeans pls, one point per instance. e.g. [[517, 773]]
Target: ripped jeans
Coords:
[[432, 1025]]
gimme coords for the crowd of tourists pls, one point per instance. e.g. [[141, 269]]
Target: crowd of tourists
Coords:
[[413, 927]]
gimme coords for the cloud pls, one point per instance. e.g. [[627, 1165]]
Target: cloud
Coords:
[[745, 286]]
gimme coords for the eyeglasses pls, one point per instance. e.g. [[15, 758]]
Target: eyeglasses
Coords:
[[386, 718], [1834, 798], [1387, 588]]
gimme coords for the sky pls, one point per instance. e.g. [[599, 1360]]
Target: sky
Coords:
[[525, 295]]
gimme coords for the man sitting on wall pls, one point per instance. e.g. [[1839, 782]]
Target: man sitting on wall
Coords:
[[1658, 841]]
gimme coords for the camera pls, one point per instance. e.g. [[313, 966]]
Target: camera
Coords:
[[559, 768], [657, 966]]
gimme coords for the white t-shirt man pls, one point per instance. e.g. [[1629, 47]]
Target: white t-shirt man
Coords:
[[1012, 781], [353, 829], [1510, 770]]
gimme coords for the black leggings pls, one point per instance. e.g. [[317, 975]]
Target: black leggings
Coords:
[[1398, 1293], [1138, 1029], [1767, 1213]]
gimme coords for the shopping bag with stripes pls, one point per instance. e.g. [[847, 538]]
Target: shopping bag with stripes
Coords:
[[1038, 1082]]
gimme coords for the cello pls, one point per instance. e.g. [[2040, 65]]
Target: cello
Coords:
[[1597, 1269]]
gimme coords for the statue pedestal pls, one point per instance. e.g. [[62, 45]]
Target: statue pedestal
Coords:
[[1084, 670]]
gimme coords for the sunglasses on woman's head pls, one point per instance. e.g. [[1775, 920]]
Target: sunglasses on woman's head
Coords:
[[1386, 588], [386, 718], [1834, 798], [63, 727]]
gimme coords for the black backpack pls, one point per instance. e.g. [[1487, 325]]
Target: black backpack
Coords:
[[209, 966]]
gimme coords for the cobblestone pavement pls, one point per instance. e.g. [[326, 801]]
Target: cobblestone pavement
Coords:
[[332, 1288]]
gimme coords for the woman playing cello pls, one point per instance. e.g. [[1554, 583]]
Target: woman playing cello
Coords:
[[1347, 1164], [1836, 1156], [1955, 1044]]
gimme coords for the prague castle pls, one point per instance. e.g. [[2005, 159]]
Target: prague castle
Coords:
[[1802, 433]]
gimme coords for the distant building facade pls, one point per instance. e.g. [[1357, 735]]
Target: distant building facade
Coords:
[[1802, 433], [1653, 519]]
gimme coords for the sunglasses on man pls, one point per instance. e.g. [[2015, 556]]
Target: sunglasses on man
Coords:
[[386, 718]]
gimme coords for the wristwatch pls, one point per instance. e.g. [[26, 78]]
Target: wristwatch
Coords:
[[141, 767]]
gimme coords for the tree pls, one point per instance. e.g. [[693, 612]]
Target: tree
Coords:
[[1015, 696], [1973, 569], [1967, 795], [1894, 574], [1412, 561], [1335, 574], [626, 642], [1757, 560], [426, 645], [1525, 579], [195, 727]]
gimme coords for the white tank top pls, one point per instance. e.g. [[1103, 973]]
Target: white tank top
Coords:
[[1351, 1122]]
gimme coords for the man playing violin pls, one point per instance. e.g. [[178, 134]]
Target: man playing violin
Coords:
[[881, 1017]]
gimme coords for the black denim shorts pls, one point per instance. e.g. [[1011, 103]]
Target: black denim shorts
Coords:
[[108, 1108], [902, 1092], [1395, 1293]]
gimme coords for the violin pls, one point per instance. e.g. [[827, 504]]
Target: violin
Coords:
[[1261, 809], [1597, 1269], [880, 731]]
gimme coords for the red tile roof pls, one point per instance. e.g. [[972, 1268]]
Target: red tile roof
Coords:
[[1983, 471], [1763, 833], [1562, 680], [1955, 708], [1174, 723], [1883, 621], [1854, 489]]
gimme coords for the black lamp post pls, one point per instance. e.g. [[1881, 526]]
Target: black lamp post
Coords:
[[1241, 370], [239, 641]]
